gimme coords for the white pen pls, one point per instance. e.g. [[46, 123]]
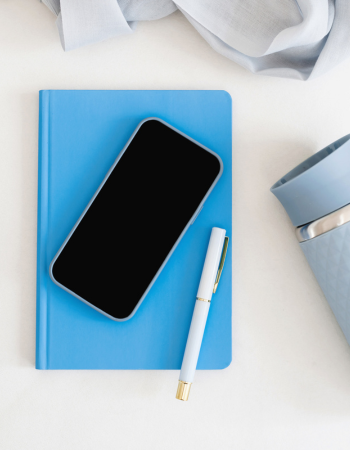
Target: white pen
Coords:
[[213, 265]]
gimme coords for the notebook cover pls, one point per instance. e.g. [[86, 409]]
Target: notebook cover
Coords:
[[80, 136]]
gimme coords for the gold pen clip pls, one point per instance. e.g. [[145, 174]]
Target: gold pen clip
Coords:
[[221, 265]]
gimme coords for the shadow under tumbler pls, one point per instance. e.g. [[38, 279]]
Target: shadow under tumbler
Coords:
[[316, 196]]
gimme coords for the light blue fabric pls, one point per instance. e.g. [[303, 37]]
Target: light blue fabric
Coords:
[[81, 133], [287, 38]]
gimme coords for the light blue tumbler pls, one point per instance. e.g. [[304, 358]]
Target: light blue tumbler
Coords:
[[316, 196]]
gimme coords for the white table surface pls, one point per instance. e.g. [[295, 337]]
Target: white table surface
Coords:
[[288, 386]]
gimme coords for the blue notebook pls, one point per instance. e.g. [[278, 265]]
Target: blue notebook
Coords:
[[80, 136]]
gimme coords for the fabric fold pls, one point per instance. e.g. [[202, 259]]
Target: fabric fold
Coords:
[[285, 38], [85, 22]]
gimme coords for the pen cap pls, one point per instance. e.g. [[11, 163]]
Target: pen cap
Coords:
[[211, 263], [317, 186]]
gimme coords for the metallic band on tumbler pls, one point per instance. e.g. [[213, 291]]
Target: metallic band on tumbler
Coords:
[[326, 223]]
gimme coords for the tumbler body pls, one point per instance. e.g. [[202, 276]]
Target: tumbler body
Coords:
[[329, 258], [316, 196]]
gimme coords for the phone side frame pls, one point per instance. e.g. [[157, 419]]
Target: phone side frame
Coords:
[[190, 222]]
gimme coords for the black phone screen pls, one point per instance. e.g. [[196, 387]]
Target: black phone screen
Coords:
[[136, 218]]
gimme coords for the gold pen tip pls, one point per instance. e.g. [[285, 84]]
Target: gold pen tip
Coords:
[[183, 390]]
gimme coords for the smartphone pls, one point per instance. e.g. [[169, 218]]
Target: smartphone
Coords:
[[138, 215]]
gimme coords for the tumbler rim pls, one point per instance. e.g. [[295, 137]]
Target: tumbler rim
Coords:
[[317, 186]]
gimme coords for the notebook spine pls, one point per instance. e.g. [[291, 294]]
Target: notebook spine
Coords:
[[41, 360]]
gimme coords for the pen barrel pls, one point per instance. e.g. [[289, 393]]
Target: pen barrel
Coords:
[[194, 341]]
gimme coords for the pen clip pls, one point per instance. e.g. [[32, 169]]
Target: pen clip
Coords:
[[221, 265]]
